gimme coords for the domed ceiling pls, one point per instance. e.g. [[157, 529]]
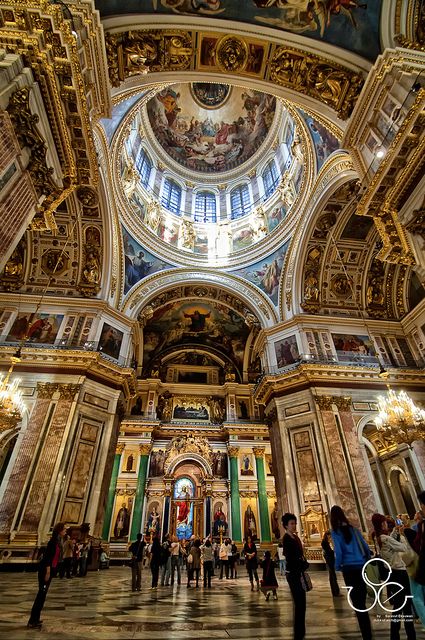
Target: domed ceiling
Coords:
[[210, 128]]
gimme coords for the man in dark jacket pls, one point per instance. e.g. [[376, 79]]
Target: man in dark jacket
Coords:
[[329, 556], [137, 549]]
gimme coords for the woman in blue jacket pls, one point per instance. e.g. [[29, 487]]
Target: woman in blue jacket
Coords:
[[351, 553]]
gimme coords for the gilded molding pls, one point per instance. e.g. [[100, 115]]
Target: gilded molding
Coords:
[[233, 451], [119, 449], [145, 449], [258, 451], [343, 403], [46, 390], [324, 402]]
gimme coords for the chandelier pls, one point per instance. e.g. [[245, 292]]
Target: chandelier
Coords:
[[11, 404], [399, 418]]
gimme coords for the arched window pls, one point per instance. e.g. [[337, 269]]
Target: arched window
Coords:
[[171, 196], [205, 207], [144, 167], [240, 201], [270, 178]]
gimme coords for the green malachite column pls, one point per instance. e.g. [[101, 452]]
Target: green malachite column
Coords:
[[140, 492], [262, 495], [111, 493], [235, 500]]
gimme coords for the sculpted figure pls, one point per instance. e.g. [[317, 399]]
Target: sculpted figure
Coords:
[[91, 271]]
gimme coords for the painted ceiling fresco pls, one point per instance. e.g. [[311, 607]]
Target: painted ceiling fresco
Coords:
[[139, 263], [324, 142], [193, 323], [349, 24], [210, 127]]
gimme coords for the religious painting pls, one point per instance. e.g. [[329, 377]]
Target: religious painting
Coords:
[[129, 462], [209, 138], [250, 519], [190, 324], [406, 352], [350, 347], [274, 519], [242, 238], [324, 141], [121, 518], [201, 243], [219, 464], [246, 462], [153, 518], [220, 524], [269, 464], [193, 377], [349, 24], [139, 263], [157, 461], [168, 232], [357, 227], [110, 341], [307, 475], [276, 216], [286, 351], [40, 328], [207, 52], [266, 273], [188, 411], [184, 492]]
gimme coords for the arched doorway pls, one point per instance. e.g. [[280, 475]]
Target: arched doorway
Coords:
[[400, 489]]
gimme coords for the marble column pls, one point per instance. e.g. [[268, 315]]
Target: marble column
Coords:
[[207, 515], [262, 494], [111, 493], [363, 486], [136, 523], [235, 500], [343, 490]]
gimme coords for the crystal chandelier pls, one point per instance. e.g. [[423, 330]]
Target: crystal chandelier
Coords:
[[11, 404], [399, 418]]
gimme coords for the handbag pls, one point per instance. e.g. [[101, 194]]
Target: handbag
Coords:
[[306, 583], [189, 558]]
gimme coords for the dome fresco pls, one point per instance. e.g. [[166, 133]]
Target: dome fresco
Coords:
[[210, 128]]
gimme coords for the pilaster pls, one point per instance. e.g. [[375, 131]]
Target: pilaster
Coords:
[[111, 492], [262, 494], [136, 523], [235, 500]]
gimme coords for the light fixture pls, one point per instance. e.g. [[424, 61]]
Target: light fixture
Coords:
[[12, 405], [380, 152], [399, 418]]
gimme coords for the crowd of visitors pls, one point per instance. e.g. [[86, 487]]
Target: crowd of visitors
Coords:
[[396, 564]]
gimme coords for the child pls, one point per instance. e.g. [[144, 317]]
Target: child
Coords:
[[269, 582]]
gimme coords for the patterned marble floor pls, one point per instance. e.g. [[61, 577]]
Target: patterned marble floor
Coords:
[[103, 607]]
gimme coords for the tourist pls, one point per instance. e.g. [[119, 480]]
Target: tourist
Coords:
[[103, 558], [251, 561], [155, 553], [136, 549], [351, 553], [207, 559], [166, 561], [411, 559], [67, 553], [46, 571], [234, 559], [175, 551], [224, 553], [194, 563], [269, 583], [390, 547], [84, 554], [329, 557], [296, 565], [281, 558]]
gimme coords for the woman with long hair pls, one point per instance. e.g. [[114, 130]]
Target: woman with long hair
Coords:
[[351, 553], [296, 565], [46, 571], [390, 546], [155, 553], [251, 561]]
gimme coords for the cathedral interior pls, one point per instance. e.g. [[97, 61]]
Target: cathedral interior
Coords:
[[212, 264]]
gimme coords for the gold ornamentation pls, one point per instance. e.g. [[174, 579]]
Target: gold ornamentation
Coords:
[[311, 301], [90, 277], [232, 54], [88, 197], [375, 291], [54, 261], [13, 274], [399, 418], [416, 226], [324, 402], [187, 444], [119, 449], [233, 452], [258, 452], [343, 403], [319, 78], [145, 449], [46, 390]]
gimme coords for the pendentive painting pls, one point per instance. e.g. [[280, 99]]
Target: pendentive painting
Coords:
[[324, 142], [192, 324], [266, 273], [139, 263], [35, 327]]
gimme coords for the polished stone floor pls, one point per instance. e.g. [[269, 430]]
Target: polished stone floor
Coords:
[[102, 606]]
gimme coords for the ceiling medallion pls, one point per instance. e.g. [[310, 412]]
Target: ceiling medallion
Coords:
[[209, 95], [232, 54]]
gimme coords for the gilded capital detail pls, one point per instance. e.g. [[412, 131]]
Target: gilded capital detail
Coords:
[[145, 449], [120, 449], [46, 390], [233, 452], [324, 402], [258, 451]]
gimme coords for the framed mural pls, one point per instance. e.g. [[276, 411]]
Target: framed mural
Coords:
[[139, 262], [153, 518], [129, 462], [286, 351], [250, 520], [324, 142], [220, 523], [110, 341], [184, 492], [121, 518], [191, 411], [266, 273], [35, 327], [350, 347], [246, 464]]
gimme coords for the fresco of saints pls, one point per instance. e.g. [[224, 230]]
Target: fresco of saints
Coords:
[[122, 522], [183, 505], [249, 524]]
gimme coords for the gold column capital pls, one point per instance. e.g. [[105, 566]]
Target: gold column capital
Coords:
[[258, 451], [343, 403], [120, 448], [145, 449], [46, 390], [324, 402], [233, 451]]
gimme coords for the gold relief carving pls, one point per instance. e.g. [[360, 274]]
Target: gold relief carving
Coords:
[[401, 282], [54, 262], [311, 302], [375, 290], [233, 452], [271, 494], [343, 403], [271, 417], [232, 54], [186, 444], [324, 402], [120, 449], [417, 224], [145, 449], [13, 274], [396, 247], [319, 78], [88, 197], [90, 277], [68, 391], [138, 52], [248, 494], [48, 389], [258, 451]]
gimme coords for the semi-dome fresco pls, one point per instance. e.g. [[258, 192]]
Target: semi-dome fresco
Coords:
[[210, 127]]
